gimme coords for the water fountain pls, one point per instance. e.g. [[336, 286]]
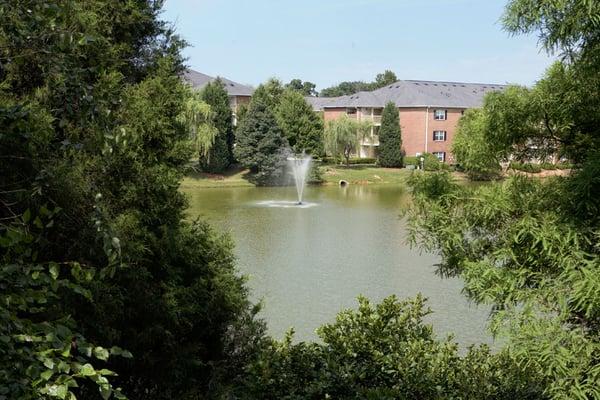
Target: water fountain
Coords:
[[300, 168]]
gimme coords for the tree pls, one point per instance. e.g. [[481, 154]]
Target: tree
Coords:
[[304, 88], [386, 78], [197, 116], [342, 136], [526, 246], [221, 152], [302, 127], [261, 144], [269, 93], [390, 139], [95, 252], [472, 148], [351, 87]]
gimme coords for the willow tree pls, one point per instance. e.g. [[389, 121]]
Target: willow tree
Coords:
[[343, 136], [197, 116]]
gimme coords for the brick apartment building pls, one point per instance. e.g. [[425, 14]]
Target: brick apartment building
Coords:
[[429, 112], [238, 94]]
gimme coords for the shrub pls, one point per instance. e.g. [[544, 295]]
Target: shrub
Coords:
[[315, 174]]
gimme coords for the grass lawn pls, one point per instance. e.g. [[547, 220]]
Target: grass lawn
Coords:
[[231, 178], [363, 175], [332, 174]]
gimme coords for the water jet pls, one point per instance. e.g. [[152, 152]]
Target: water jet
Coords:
[[300, 167]]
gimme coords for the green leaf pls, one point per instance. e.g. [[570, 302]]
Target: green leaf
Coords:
[[47, 374], [101, 353], [87, 370], [54, 270], [27, 215]]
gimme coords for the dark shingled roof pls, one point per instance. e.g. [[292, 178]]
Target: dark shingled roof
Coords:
[[198, 80], [409, 93]]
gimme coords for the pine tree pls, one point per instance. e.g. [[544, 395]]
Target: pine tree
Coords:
[[221, 153], [260, 144], [390, 138], [302, 127]]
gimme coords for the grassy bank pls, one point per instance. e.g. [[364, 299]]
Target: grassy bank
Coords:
[[364, 175], [332, 174], [235, 177]]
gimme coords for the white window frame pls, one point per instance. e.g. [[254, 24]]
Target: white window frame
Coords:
[[443, 139], [440, 115], [440, 153]]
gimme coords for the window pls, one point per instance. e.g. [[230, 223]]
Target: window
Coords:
[[440, 155], [440, 115], [350, 111], [439, 136]]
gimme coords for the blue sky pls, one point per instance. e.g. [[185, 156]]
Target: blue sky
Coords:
[[330, 41]]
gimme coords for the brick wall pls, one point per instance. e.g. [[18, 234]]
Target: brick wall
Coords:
[[414, 122]]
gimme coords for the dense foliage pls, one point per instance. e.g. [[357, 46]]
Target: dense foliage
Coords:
[[385, 352], [472, 149], [305, 88], [220, 154], [302, 127], [350, 87], [92, 244], [343, 135], [261, 145], [530, 247], [390, 138]]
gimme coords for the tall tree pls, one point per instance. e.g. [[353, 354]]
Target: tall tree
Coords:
[[302, 127], [269, 93], [390, 138], [198, 117], [386, 78], [305, 88], [261, 144], [351, 87], [472, 148], [221, 152], [526, 246], [89, 105]]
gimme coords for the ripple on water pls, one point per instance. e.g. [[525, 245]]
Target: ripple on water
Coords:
[[285, 204]]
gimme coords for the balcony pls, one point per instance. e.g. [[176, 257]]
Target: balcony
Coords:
[[372, 140]]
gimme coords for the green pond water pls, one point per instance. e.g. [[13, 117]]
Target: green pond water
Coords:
[[307, 264]]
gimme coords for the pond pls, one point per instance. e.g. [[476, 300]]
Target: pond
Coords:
[[307, 264]]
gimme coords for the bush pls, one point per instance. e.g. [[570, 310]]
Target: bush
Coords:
[[411, 160], [315, 175], [525, 167]]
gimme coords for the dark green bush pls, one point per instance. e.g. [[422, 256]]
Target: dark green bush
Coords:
[[315, 175]]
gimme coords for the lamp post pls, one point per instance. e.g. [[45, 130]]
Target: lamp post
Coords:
[[422, 159]]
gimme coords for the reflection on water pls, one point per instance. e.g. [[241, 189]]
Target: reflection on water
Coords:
[[308, 263]]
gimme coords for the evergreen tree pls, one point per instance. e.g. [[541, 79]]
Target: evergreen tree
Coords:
[[221, 152], [302, 127], [261, 144], [269, 93], [390, 138]]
